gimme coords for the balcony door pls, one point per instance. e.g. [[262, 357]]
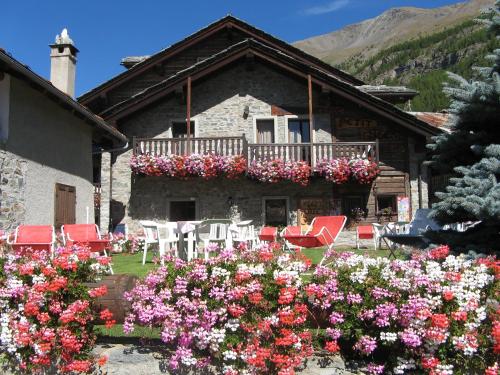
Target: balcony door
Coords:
[[265, 131], [298, 132]]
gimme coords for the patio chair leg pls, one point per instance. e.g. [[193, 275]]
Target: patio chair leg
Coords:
[[161, 250], [145, 253]]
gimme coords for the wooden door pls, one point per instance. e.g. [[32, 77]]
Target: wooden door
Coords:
[[64, 205]]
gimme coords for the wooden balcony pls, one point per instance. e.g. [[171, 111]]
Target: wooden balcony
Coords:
[[227, 146]]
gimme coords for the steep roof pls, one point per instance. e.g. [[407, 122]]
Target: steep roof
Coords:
[[440, 120], [278, 58], [227, 21], [10, 65]]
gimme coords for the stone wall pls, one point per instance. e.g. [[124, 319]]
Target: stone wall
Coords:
[[12, 190], [240, 199], [218, 104]]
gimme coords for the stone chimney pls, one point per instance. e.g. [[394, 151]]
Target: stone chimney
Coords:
[[63, 63]]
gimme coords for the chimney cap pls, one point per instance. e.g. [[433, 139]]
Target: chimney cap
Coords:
[[63, 40]]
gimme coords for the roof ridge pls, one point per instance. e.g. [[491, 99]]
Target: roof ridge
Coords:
[[227, 19]]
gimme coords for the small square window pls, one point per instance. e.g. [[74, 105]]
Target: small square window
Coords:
[[386, 203]]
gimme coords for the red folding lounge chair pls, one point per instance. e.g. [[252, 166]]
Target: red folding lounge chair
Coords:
[[323, 231], [291, 230], [87, 235], [35, 237], [268, 234], [365, 232]]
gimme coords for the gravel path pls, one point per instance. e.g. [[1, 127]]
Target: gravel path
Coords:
[[126, 359]]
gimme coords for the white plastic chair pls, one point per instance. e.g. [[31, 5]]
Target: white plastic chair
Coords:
[[218, 234], [151, 237], [245, 234], [171, 238]]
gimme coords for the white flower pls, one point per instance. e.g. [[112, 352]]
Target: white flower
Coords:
[[229, 355]]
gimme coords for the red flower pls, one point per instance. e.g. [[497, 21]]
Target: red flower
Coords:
[[236, 310], [440, 321], [448, 295], [440, 252], [98, 292], [102, 360], [287, 295], [332, 346], [430, 362], [255, 298]]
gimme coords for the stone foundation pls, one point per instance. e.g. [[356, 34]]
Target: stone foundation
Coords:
[[12, 190]]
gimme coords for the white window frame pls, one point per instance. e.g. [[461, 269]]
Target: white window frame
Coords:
[[275, 120], [185, 199], [298, 117], [276, 197], [194, 120]]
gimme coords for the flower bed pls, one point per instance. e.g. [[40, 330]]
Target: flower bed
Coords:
[[46, 314], [207, 166], [130, 244], [427, 315], [248, 312], [242, 311], [272, 171]]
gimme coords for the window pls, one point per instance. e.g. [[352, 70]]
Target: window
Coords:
[[265, 131], [276, 211], [64, 205], [182, 210], [387, 202], [179, 129], [298, 131]]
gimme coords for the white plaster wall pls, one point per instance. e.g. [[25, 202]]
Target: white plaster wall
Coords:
[[57, 148]]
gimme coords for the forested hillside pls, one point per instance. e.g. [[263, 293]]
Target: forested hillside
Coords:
[[421, 63]]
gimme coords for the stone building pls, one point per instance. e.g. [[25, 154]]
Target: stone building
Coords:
[[46, 143], [232, 88]]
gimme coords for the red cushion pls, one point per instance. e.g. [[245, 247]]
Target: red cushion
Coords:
[[81, 232], [268, 234], [304, 240], [37, 234], [365, 232]]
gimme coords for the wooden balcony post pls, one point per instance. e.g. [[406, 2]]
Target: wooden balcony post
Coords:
[[134, 146], [377, 151], [188, 115], [311, 120]]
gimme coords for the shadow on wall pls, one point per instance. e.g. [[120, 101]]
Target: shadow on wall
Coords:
[[147, 199], [117, 212]]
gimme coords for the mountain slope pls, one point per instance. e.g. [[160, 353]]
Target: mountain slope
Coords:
[[366, 38]]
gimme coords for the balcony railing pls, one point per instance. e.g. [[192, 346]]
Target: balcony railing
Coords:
[[227, 146]]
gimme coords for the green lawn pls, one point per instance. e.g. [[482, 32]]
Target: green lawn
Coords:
[[132, 263]]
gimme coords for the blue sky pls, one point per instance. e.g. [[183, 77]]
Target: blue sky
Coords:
[[105, 31]]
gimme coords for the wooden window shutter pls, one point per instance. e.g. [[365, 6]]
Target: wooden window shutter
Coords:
[[65, 205]]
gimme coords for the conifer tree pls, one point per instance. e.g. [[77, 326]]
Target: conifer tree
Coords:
[[471, 151]]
